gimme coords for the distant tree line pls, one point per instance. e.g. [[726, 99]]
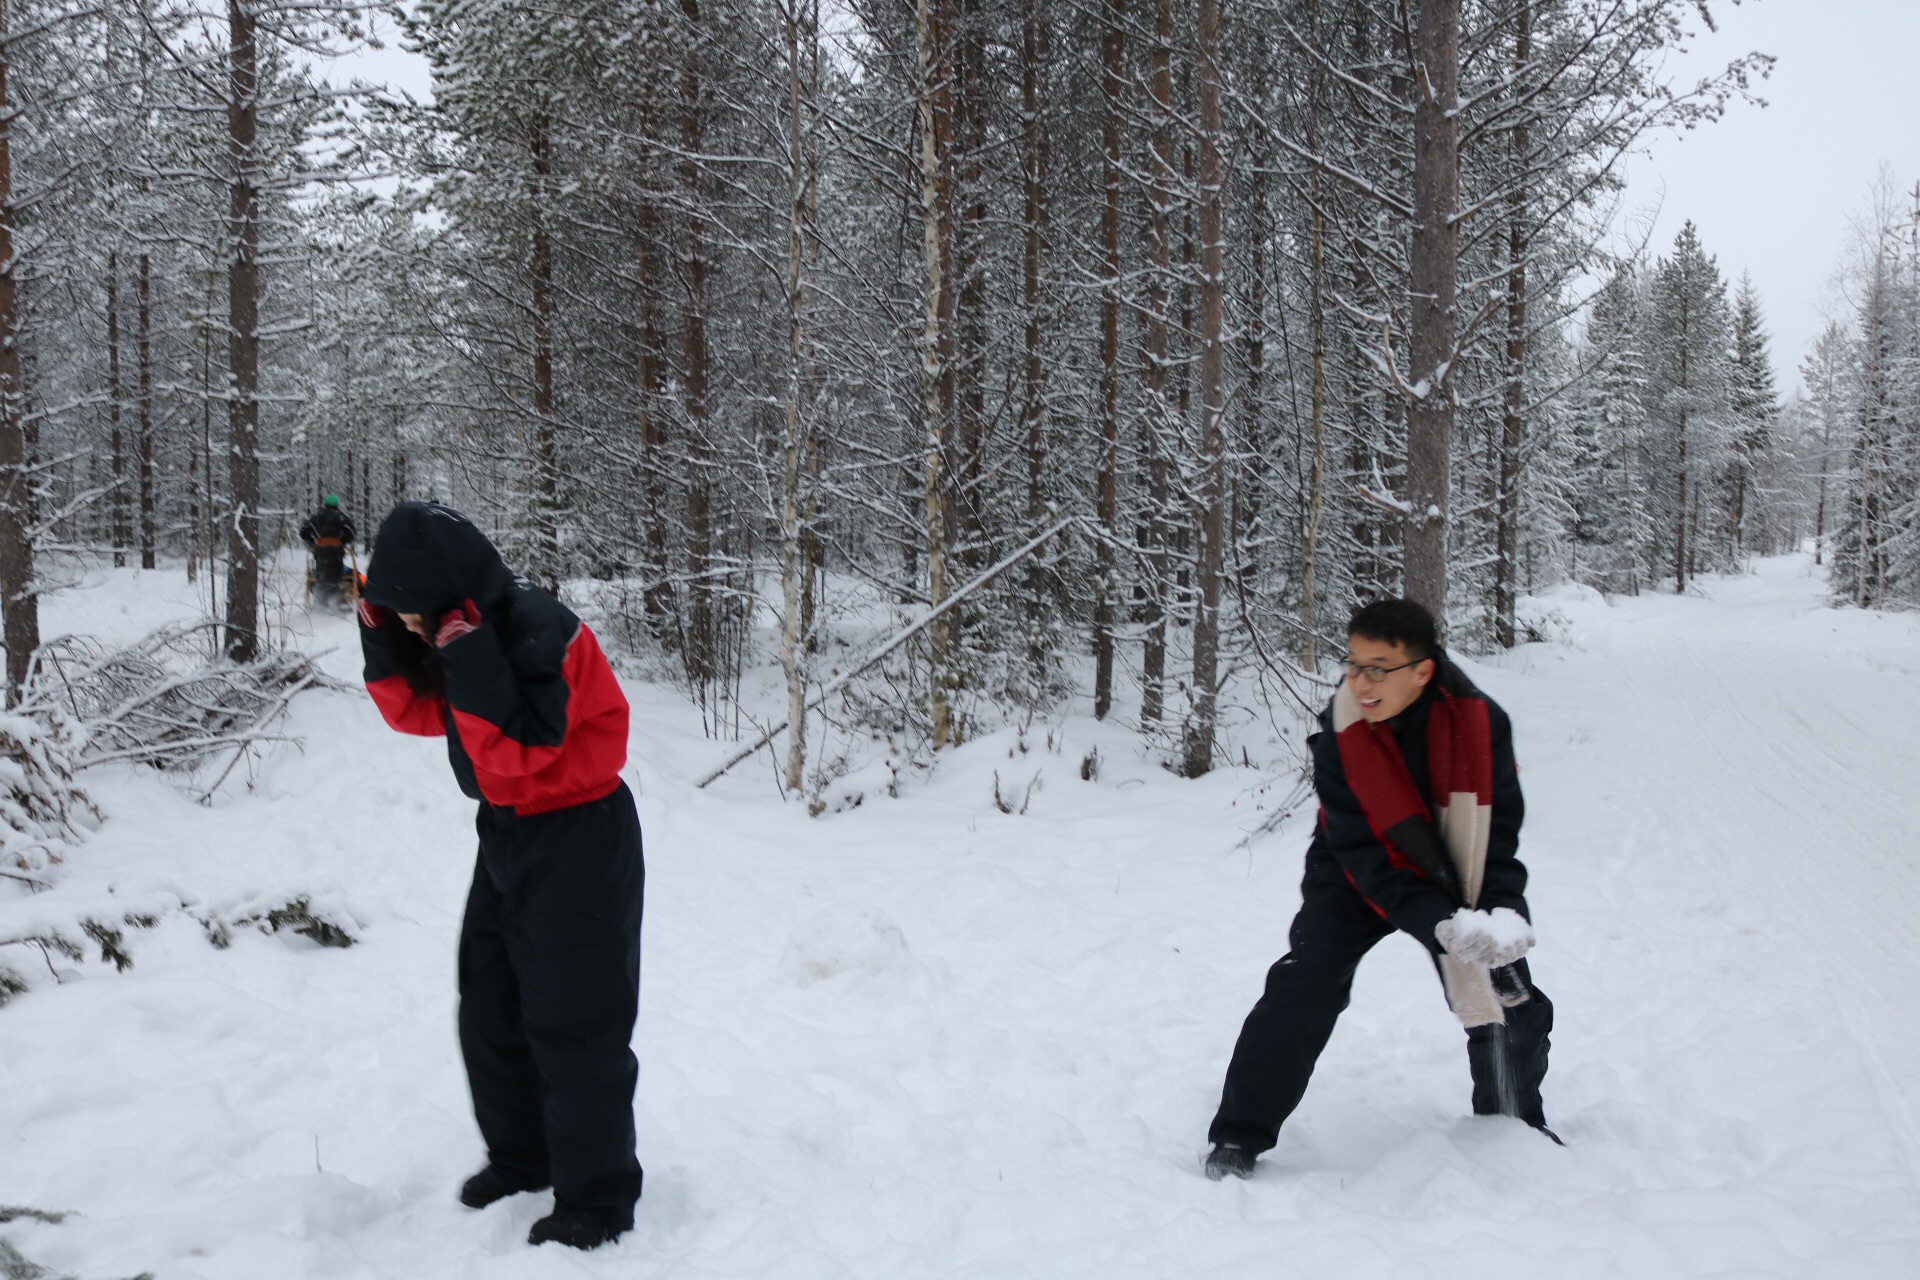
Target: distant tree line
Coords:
[[1676, 460], [1861, 415]]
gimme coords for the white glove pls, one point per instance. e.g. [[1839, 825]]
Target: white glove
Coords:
[[1493, 938]]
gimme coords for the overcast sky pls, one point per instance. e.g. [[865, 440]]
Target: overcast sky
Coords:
[[1771, 189]]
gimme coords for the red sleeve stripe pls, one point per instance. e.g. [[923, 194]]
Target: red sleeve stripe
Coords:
[[408, 711]]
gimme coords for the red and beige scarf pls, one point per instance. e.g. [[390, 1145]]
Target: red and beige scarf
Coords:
[[1449, 846]]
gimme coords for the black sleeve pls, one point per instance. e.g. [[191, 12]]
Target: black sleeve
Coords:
[[527, 706], [1505, 881], [346, 530], [306, 531], [1413, 903]]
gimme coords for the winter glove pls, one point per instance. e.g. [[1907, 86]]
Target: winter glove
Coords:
[[1493, 938], [371, 615], [462, 620]]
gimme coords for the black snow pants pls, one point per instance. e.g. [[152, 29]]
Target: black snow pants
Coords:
[[549, 988], [329, 564], [1307, 990]]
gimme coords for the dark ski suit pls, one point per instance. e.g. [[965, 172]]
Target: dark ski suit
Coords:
[[328, 532], [1351, 897], [536, 730]]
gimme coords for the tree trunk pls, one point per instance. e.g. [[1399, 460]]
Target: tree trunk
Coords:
[[1513, 423], [1680, 523], [795, 571], [1035, 48], [199, 483], [649, 393], [1180, 510], [702, 644], [1156, 423], [1107, 504], [1432, 270], [936, 123], [546, 458], [1826, 462], [1249, 489], [122, 532], [1213, 408], [143, 345], [969, 286], [1317, 399], [19, 599], [243, 339]]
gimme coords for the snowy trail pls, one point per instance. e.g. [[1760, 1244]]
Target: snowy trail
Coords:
[[926, 1038], [1808, 798]]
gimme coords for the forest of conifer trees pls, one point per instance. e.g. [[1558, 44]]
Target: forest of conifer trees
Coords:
[[1126, 345]]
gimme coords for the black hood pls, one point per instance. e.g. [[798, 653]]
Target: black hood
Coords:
[[428, 558]]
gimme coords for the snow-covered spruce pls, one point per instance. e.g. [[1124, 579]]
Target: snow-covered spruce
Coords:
[[42, 808]]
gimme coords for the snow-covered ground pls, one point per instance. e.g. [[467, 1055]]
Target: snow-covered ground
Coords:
[[923, 1037]]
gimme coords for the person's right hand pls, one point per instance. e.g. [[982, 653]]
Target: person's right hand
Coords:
[[371, 615], [462, 620], [1493, 938]]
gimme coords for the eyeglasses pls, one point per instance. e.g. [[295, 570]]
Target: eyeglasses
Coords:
[[1377, 675]]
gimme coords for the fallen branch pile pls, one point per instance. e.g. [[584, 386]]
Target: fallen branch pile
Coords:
[[170, 700]]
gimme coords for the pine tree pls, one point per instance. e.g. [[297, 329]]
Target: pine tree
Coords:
[[1613, 517], [1688, 393], [1755, 410]]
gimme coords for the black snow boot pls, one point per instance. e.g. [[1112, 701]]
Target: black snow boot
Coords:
[[494, 1183], [579, 1228], [1226, 1158]]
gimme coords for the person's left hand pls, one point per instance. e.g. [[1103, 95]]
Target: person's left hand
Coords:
[[461, 620], [1493, 938]]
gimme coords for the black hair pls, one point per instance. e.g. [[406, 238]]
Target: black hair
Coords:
[[411, 656], [1400, 622]]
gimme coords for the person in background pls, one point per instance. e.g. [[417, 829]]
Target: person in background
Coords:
[[535, 723], [328, 533], [1419, 832]]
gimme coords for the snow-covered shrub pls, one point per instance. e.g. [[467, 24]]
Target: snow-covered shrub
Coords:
[[42, 808], [55, 940], [1538, 622], [299, 915], [1004, 802], [169, 700], [851, 790]]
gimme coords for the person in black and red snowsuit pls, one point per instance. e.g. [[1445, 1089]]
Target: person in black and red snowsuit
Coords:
[[1377, 749], [536, 726]]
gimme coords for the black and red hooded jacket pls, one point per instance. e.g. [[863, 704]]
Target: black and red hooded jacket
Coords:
[[533, 716]]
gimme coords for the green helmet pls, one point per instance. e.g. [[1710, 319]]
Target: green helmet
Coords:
[[331, 500]]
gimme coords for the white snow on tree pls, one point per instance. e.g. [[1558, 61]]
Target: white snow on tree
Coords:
[[42, 807]]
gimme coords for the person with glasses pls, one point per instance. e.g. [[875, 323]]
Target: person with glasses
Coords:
[[1418, 833]]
